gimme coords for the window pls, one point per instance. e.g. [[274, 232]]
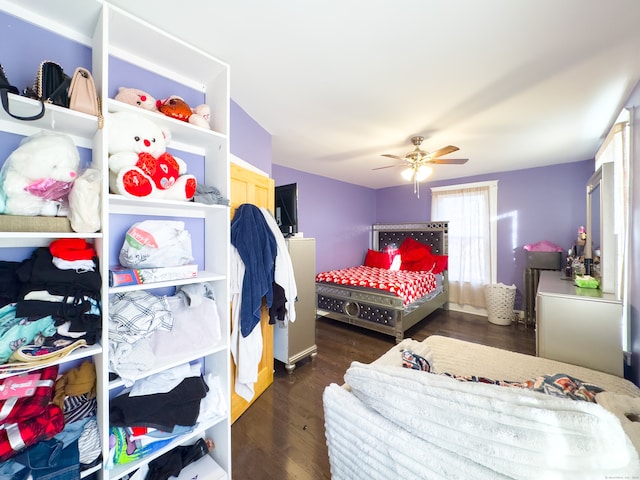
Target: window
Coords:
[[471, 211]]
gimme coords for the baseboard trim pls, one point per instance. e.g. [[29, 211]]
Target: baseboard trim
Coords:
[[456, 307], [470, 309]]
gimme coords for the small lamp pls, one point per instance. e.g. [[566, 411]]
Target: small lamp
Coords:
[[417, 174], [423, 172], [407, 173]]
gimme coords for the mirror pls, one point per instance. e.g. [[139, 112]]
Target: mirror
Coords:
[[600, 227], [592, 249]]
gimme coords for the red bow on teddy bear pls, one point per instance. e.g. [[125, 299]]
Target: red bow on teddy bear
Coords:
[[163, 170]]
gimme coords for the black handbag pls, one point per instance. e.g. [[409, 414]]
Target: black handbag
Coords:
[[5, 89], [51, 85]]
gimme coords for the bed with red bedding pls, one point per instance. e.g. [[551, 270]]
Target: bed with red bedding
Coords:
[[402, 281]]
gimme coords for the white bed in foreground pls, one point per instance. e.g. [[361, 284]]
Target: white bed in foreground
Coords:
[[391, 422]]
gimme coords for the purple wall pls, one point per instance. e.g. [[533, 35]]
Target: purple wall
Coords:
[[537, 204], [21, 64], [400, 204], [248, 140], [337, 214]]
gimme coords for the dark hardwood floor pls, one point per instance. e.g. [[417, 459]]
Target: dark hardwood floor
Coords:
[[281, 436]]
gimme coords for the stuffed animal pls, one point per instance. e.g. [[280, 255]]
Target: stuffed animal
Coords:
[[176, 107], [38, 175], [140, 166], [136, 97]]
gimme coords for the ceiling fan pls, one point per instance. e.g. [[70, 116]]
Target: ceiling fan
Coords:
[[418, 162]]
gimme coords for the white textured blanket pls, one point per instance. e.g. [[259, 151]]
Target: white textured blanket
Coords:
[[364, 445], [477, 427]]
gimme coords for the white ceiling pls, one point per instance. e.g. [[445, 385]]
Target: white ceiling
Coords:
[[513, 83]]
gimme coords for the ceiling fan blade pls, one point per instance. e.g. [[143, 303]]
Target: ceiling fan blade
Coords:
[[443, 151], [449, 161], [388, 166], [393, 156]]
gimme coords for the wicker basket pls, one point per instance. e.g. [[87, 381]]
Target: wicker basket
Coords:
[[19, 223], [500, 300]]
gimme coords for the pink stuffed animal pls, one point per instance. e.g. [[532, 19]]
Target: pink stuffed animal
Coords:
[[173, 106], [136, 97]]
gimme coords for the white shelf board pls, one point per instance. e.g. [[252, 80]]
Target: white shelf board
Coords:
[[203, 276]]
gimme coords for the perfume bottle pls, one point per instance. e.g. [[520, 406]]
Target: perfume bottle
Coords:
[[578, 267], [568, 268]]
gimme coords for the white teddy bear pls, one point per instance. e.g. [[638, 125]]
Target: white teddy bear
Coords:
[[139, 165], [38, 175]]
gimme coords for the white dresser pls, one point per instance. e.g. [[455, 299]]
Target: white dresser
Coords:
[[578, 325]]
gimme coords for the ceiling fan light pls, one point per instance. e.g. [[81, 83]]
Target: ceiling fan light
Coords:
[[407, 174], [423, 172]]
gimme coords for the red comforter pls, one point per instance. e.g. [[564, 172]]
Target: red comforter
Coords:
[[406, 284]]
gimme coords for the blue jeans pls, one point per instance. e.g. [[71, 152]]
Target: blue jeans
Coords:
[[10, 470], [48, 460]]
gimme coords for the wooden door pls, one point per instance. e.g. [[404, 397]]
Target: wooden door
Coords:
[[248, 186]]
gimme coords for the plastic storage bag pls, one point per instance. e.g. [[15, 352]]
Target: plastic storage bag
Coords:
[[156, 243], [84, 202]]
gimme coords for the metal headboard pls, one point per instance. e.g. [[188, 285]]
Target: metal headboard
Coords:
[[434, 234]]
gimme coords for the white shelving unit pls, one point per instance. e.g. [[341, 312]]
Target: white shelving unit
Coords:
[[115, 36]]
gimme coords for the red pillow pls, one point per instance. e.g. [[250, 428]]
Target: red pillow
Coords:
[[441, 263], [411, 250], [379, 259], [432, 263], [424, 265], [417, 257]]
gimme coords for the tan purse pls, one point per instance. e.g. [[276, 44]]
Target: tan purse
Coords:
[[82, 94]]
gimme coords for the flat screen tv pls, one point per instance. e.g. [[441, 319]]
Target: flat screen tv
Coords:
[[287, 208]]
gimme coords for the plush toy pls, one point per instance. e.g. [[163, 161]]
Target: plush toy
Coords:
[[176, 107], [139, 165], [136, 97], [38, 175], [201, 116]]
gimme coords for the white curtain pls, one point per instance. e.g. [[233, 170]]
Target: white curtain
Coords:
[[469, 214], [616, 149]]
